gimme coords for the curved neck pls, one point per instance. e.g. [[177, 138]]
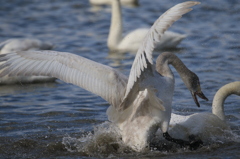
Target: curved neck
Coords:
[[162, 67], [115, 33], [221, 95]]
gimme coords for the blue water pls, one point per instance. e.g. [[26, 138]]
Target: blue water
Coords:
[[59, 120]]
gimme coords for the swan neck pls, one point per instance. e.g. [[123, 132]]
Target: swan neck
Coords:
[[221, 95], [166, 59], [115, 33]]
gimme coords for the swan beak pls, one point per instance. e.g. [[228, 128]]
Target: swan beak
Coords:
[[200, 94]]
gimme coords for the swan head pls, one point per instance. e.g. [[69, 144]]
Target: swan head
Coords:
[[195, 88]]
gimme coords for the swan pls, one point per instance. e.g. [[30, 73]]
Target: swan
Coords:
[[132, 41], [24, 44], [108, 2], [140, 103], [205, 124]]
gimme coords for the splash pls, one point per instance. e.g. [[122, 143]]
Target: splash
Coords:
[[104, 140]]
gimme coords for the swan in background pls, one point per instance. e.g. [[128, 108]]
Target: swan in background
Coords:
[[24, 44], [109, 2], [12, 45], [141, 103], [205, 125], [132, 41]]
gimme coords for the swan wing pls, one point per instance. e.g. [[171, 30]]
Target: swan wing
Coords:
[[143, 61], [92, 76]]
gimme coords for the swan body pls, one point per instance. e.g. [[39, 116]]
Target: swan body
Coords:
[[202, 125], [205, 125], [109, 2], [132, 41], [140, 103], [13, 45]]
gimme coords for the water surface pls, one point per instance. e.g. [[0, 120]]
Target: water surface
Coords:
[[64, 121]]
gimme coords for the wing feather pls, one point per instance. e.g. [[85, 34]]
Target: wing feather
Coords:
[[92, 76], [144, 53], [26, 66]]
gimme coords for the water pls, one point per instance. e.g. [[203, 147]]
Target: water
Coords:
[[59, 120]]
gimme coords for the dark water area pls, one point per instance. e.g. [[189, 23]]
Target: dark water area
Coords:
[[59, 120]]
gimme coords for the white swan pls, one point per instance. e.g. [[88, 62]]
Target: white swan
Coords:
[[204, 125], [109, 2], [24, 44], [139, 104], [133, 40]]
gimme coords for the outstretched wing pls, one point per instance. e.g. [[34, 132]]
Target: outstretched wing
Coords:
[[143, 61], [92, 76]]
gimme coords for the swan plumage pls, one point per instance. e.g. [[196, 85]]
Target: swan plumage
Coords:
[[132, 41], [206, 124], [24, 44], [140, 103]]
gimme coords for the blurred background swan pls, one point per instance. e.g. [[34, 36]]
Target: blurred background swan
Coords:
[[24, 44], [132, 41], [205, 125], [109, 2]]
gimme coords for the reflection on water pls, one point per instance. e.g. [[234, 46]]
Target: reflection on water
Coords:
[[25, 88], [59, 120]]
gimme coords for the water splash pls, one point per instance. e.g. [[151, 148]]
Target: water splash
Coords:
[[104, 140]]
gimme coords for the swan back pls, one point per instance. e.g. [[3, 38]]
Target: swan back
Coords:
[[133, 40], [13, 45], [203, 125], [170, 40], [221, 95]]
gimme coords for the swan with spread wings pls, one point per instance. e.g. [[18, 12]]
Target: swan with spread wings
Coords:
[[141, 103]]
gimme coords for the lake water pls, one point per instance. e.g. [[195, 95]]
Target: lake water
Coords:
[[59, 120]]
